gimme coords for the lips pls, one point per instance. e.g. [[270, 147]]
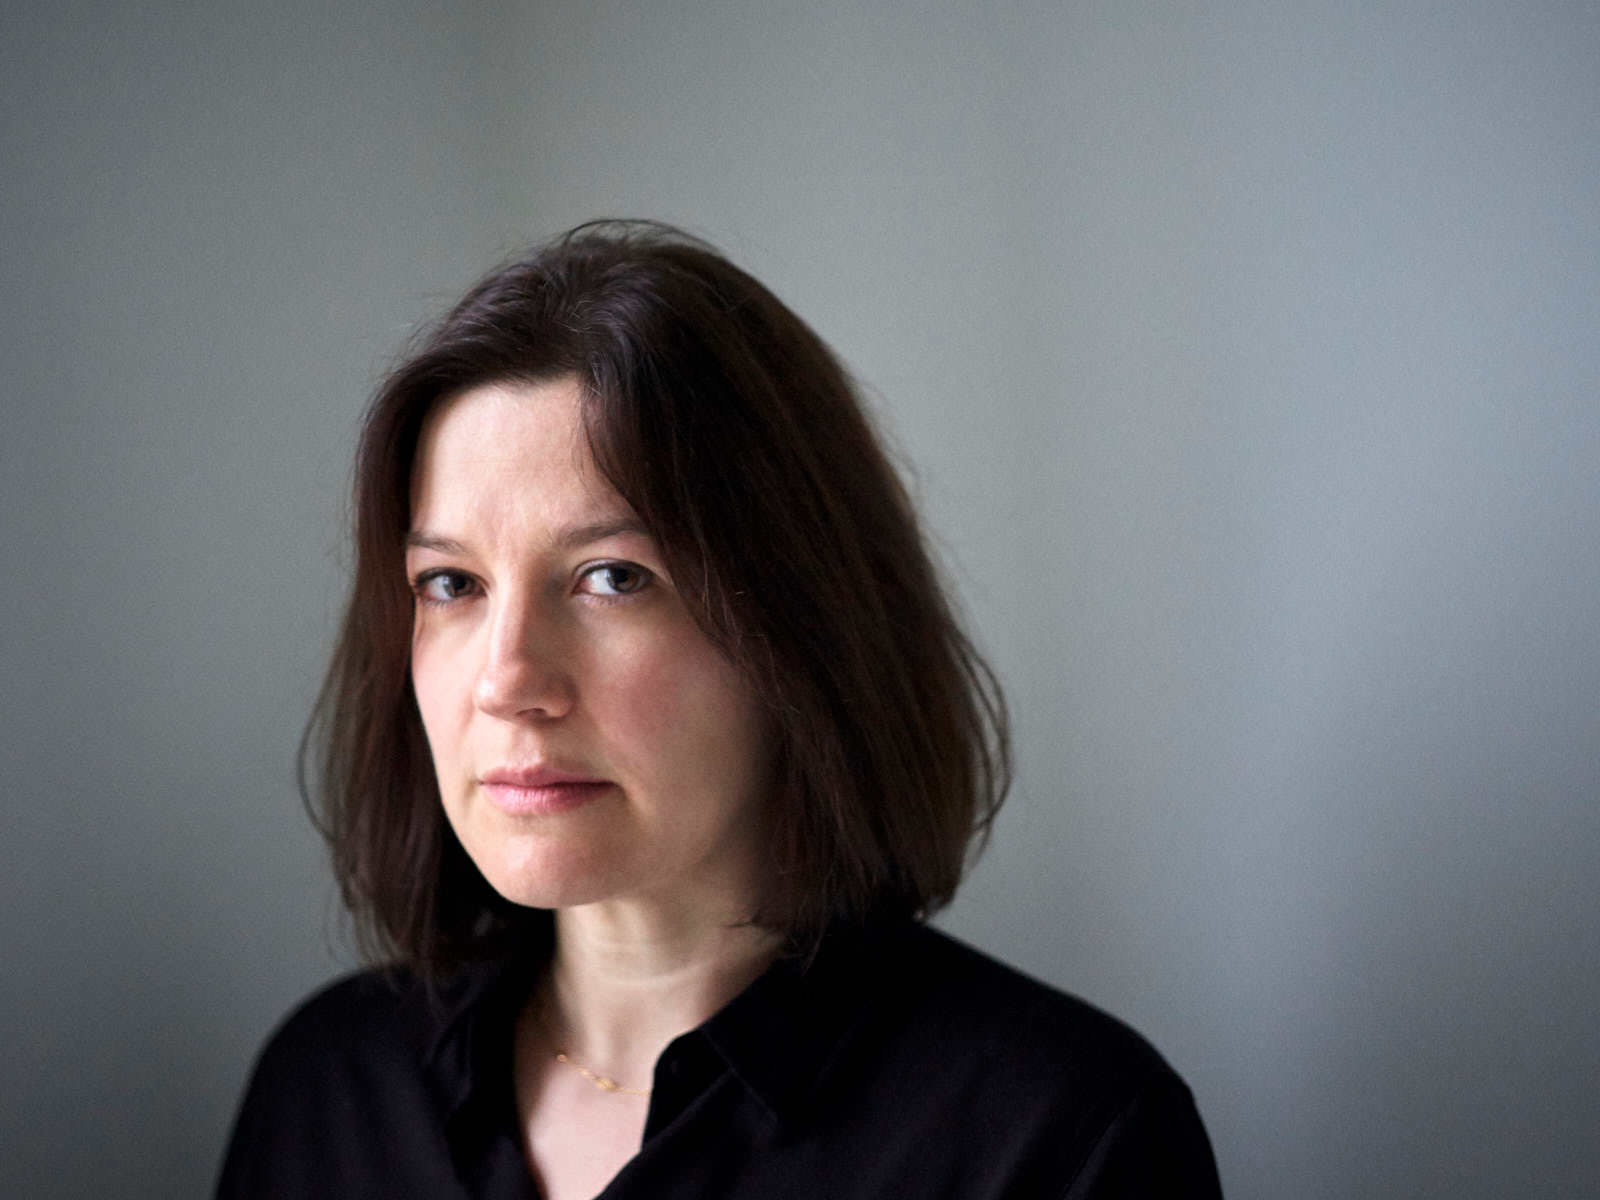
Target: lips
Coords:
[[540, 790]]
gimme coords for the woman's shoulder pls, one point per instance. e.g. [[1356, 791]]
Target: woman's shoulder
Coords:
[[379, 1016], [358, 1054], [358, 1012], [990, 1031], [1049, 1087], [967, 991], [362, 1026]]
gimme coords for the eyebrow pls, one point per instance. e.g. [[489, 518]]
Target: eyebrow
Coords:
[[567, 539], [419, 539]]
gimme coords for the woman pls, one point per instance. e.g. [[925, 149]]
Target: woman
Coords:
[[648, 742]]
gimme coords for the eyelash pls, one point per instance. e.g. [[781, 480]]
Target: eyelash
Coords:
[[420, 584], [642, 576]]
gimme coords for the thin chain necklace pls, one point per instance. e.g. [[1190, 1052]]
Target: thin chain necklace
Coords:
[[604, 1082]]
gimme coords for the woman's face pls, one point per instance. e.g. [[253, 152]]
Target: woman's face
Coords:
[[591, 744]]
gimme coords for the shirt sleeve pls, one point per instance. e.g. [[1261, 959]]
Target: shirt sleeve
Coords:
[[1156, 1149]]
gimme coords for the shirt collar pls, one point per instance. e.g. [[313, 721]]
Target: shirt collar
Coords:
[[470, 1019], [782, 1035], [779, 1037]]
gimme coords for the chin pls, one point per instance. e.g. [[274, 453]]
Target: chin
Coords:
[[551, 894], [546, 876]]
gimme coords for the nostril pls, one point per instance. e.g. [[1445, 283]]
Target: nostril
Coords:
[[522, 686]]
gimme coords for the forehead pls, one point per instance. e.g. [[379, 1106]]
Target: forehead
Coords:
[[508, 453]]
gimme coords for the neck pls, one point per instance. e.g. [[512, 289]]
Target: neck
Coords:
[[623, 984]]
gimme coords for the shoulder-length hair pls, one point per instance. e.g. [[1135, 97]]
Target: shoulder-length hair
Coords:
[[737, 438]]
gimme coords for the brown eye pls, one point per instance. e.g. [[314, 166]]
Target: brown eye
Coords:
[[442, 587], [614, 579]]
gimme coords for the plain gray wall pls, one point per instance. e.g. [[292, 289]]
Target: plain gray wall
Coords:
[[1245, 360]]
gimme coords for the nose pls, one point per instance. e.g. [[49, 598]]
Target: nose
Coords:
[[525, 674]]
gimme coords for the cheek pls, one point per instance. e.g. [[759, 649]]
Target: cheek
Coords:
[[436, 681], [689, 708]]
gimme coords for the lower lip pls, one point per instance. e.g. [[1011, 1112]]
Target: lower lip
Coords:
[[546, 800]]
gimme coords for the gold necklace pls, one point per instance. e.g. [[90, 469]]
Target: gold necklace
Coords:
[[604, 1082], [539, 1007]]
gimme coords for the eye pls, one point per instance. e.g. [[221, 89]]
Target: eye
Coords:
[[614, 579], [442, 586]]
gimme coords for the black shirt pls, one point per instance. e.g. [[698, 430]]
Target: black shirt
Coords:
[[898, 1063]]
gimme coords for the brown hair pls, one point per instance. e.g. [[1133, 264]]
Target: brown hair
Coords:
[[736, 436]]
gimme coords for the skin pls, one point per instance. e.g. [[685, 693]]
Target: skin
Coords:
[[548, 636]]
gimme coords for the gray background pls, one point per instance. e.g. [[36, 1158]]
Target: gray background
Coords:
[[1245, 361]]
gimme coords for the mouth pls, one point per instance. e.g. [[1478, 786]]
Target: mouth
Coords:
[[540, 791]]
